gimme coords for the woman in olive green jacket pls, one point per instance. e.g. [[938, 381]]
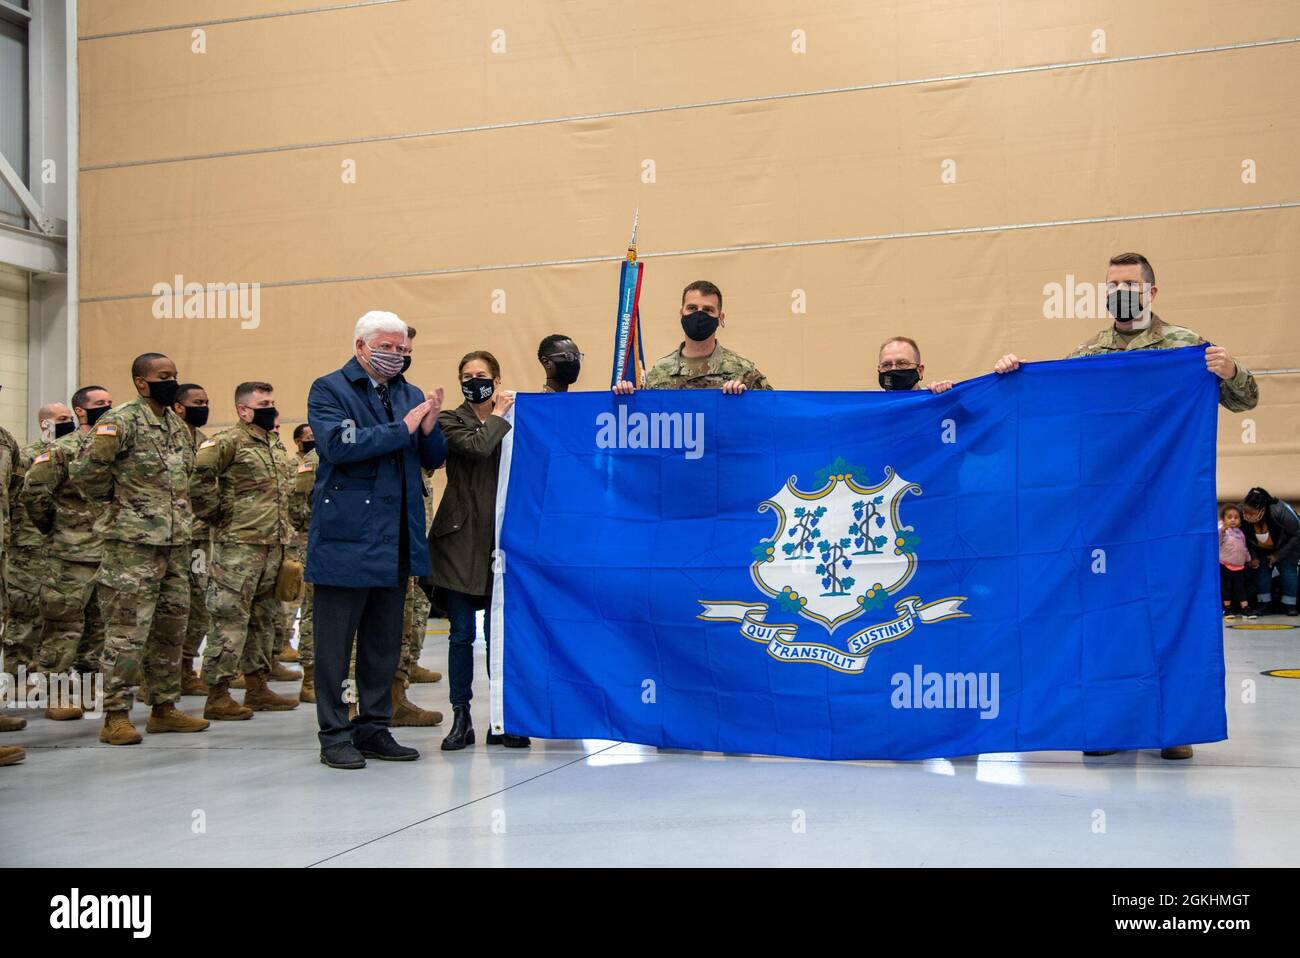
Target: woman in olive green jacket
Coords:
[[463, 533]]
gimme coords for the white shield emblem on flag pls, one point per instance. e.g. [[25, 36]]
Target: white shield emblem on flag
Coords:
[[840, 550]]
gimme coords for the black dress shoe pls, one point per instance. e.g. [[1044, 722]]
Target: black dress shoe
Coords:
[[342, 755], [1098, 754], [462, 730], [383, 746]]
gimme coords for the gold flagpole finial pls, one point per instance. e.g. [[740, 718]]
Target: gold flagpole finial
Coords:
[[631, 245]]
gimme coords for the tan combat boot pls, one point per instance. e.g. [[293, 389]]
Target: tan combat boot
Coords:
[[222, 707], [10, 723], [238, 682], [68, 713], [167, 718], [419, 675], [118, 729], [289, 654], [407, 714], [260, 698], [191, 683], [280, 673], [11, 754], [308, 691]]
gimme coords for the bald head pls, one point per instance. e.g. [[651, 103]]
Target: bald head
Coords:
[[55, 411]]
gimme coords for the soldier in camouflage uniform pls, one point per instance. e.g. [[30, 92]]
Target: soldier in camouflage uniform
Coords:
[[304, 479], [281, 646], [701, 362], [72, 630], [25, 565], [9, 462], [1131, 292], [192, 405], [138, 461], [240, 485]]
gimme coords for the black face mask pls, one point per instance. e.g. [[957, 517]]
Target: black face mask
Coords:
[[1124, 305], [699, 325], [92, 415], [308, 445], [196, 415], [566, 370], [900, 379], [163, 391], [264, 418], [406, 363], [477, 390], [61, 429]]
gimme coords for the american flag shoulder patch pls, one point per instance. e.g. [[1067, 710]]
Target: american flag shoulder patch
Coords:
[[43, 457], [206, 443], [107, 429], [305, 467]]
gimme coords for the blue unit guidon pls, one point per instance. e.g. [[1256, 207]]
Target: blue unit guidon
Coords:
[[1026, 562]]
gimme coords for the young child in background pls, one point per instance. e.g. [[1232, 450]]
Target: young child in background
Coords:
[[1233, 556]]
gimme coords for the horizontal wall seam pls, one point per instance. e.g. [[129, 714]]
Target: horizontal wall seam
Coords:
[[743, 248], [704, 104], [244, 19]]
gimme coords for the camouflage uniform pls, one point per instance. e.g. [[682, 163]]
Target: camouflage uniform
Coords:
[[72, 634], [304, 480], [139, 462], [24, 569], [9, 462], [283, 611], [416, 617], [196, 626], [1237, 394], [676, 371], [240, 486]]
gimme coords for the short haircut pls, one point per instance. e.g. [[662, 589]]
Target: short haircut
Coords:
[[375, 322], [550, 341], [244, 390], [493, 366], [142, 363], [1136, 259], [46, 411], [298, 430], [705, 287], [82, 396], [184, 389], [902, 339]]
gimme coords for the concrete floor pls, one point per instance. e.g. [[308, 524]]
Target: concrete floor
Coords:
[[253, 794]]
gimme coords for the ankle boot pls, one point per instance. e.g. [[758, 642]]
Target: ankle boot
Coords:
[[406, 714], [260, 698], [308, 691], [222, 708], [191, 683], [462, 730], [118, 729], [166, 717]]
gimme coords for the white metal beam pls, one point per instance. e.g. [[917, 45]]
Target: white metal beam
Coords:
[[32, 251], [15, 182]]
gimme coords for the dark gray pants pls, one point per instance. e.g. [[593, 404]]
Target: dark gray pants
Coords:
[[374, 616]]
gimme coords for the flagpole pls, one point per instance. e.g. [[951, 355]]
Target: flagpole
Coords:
[[629, 350]]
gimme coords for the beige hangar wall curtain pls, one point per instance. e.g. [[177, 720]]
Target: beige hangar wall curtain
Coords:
[[923, 167]]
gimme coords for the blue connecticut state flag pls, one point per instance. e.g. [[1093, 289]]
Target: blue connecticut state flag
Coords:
[[1026, 562]]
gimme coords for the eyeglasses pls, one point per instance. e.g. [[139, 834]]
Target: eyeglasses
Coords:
[[890, 367], [566, 357], [385, 348]]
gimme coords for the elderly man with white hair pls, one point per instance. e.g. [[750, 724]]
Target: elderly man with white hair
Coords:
[[374, 431]]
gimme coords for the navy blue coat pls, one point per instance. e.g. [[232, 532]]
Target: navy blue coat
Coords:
[[357, 499]]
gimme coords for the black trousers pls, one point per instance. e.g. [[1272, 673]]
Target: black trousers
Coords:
[[1233, 586], [374, 616]]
